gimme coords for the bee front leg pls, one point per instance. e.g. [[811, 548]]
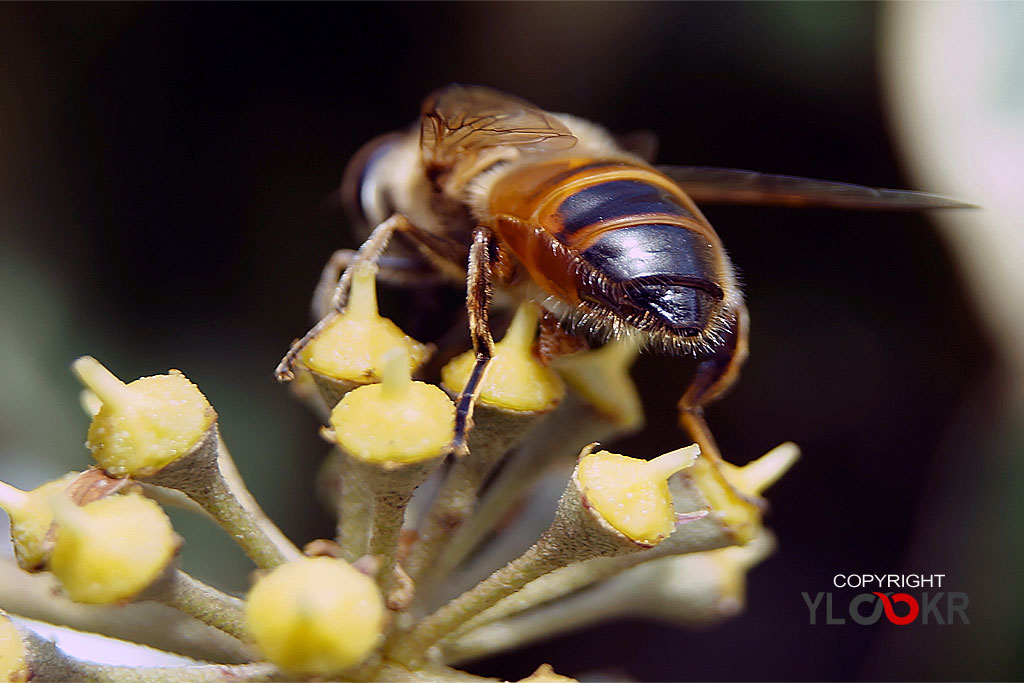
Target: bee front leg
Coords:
[[715, 376], [443, 253], [478, 301], [369, 252], [399, 271]]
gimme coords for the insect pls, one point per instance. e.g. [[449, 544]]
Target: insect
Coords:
[[497, 192]]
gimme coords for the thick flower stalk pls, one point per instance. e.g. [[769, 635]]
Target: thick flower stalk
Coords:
[[599, 515], [670, 538], [392, 436], [162, 431], [694, 589], [517, 393]]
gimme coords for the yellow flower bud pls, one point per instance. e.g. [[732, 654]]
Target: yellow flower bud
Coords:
[[31, 517], [13, 666], [352, 346], [733, 493], [398, 420], [545, 674], [145, 425], [632, 494], [315, 616], [757, 475], [602, 378], [515, 379], [111, 549]]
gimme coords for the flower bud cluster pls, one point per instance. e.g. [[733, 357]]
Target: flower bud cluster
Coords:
[[671, 537]]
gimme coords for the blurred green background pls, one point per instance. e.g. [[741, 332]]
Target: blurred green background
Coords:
[[163, 176]]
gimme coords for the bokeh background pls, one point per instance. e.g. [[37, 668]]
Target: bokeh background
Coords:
[[165, 174]]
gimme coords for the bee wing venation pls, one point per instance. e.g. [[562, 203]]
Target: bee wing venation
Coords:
[[707, 184], [459, 119]]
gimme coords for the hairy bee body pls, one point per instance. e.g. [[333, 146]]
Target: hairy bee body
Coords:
[[598, 237], [490, 190], [617, 247]]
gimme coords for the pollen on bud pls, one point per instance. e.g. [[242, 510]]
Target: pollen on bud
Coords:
[[352, 346], [398, 420], [31, 517], [111, 549], [145, 425], [515, 379], [13, 663], [315, 616], [632, 495]]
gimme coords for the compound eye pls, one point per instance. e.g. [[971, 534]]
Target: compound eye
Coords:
[[364, 199]]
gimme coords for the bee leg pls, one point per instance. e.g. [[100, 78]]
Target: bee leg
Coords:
[[715, 376], [371, 251], [478, 301], [553, 341], [394, 270]]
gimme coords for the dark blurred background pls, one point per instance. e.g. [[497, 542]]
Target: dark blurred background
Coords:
[[163, 176]]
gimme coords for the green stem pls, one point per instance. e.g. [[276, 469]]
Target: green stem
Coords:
[[266, 538], [388, 518], [218, 498], [583, 609], [542, 448], [355, 510], [496, 431], [47, 662], [209, 477], [383, 491], [37, 596], [696, 536], [203, 602], [410, 647]]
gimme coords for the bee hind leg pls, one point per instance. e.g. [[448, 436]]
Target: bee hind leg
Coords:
[[715, 376], [478, 301]]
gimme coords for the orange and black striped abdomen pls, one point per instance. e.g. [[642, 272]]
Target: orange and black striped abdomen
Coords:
[[658, 262]]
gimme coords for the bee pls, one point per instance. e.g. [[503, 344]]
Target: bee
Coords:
[[491, 190]]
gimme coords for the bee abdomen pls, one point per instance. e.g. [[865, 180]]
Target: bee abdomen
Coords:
[[611, 199], [633, 227], [622, 230], [649, 250]]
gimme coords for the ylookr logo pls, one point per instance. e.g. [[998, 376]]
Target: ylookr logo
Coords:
[[925, 608]]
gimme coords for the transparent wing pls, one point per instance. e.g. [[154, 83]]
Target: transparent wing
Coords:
[[460, 119], [643, 143], [734, 186]]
